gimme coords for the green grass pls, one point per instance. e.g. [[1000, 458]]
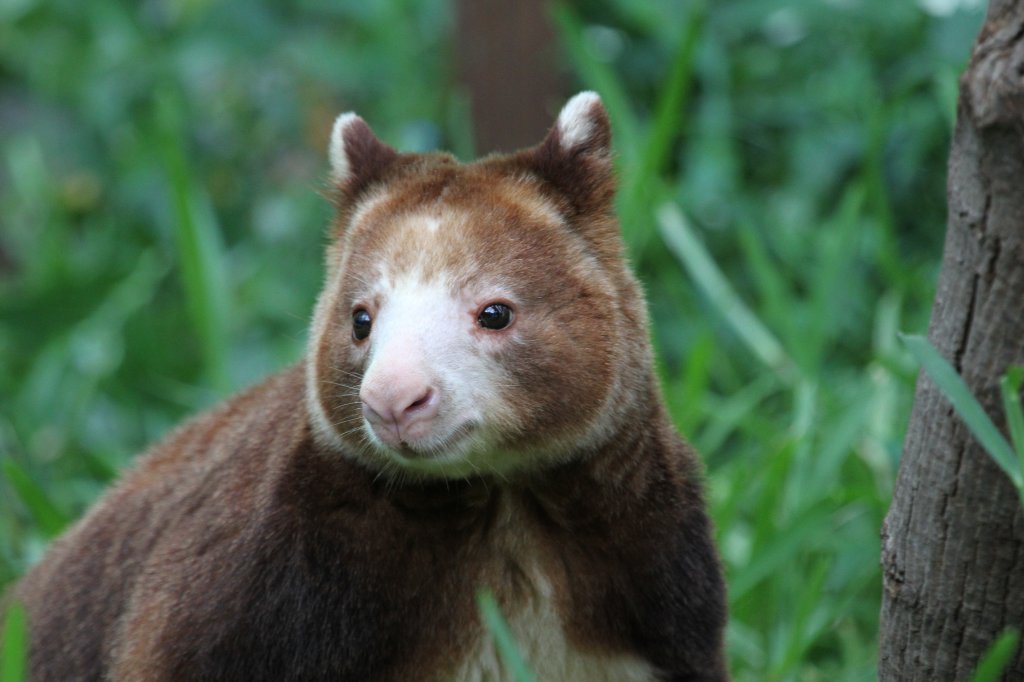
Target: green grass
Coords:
[[496, 625], [1009, 458], [971, 411], [13, 647], [199, 251], [998, 656], [782, 193]]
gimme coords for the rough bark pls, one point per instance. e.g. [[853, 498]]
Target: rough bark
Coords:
[[506, 62], [953, 540]]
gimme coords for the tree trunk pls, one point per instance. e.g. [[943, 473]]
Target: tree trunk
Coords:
[[506, 60], [953, 541]]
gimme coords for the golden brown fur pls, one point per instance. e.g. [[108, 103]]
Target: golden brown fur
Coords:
[[267, 540]]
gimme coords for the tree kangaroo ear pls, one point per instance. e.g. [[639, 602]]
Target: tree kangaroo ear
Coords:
[[357, 157], [575, 156], [582, 126]]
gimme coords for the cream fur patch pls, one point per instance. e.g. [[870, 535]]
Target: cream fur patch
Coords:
[[446, 354], [537, 627], [550, 656], [340, 167], [574, 122], [322, 426]]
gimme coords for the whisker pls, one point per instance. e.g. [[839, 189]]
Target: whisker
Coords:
[[349, 432], [337, 368]]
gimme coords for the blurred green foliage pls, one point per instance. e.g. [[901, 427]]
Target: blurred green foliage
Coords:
[[161, 234]]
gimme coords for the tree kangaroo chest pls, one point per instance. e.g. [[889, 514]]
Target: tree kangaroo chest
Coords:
[[553, 600], [532, 580]]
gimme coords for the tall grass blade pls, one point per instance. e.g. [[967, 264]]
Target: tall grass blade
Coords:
[[600, 77], [725, 417], [998, 656], [15, 645], [768, 279], [637, 192], [832, 275], [1009, 386], [671, 101], [966, 405], [687, 248], [808, 619], [877, 198], [495, 622], [693, 382], [782, 548], [47, 516], [200, 252]]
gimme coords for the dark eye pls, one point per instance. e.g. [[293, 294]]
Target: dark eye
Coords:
[[361, 324], [495, 316]]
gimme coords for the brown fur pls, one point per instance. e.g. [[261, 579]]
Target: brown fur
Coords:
[[246, 546]]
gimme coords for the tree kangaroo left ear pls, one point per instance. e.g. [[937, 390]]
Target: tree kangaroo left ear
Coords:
[[575, 156], [357, 157]]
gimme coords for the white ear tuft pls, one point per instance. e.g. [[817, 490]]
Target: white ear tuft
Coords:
[[358, 158], [341, 169], [576, 124]]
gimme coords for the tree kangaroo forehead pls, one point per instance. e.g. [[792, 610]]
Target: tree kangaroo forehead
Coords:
[[476, 409]]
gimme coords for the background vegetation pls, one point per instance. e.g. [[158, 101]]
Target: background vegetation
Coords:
[[782, 172]]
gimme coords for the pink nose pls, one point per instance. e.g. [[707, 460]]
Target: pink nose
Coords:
[[399, 410]]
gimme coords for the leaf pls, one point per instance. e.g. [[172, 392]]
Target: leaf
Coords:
[[998, 656], [495, 622], [966, 405]]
